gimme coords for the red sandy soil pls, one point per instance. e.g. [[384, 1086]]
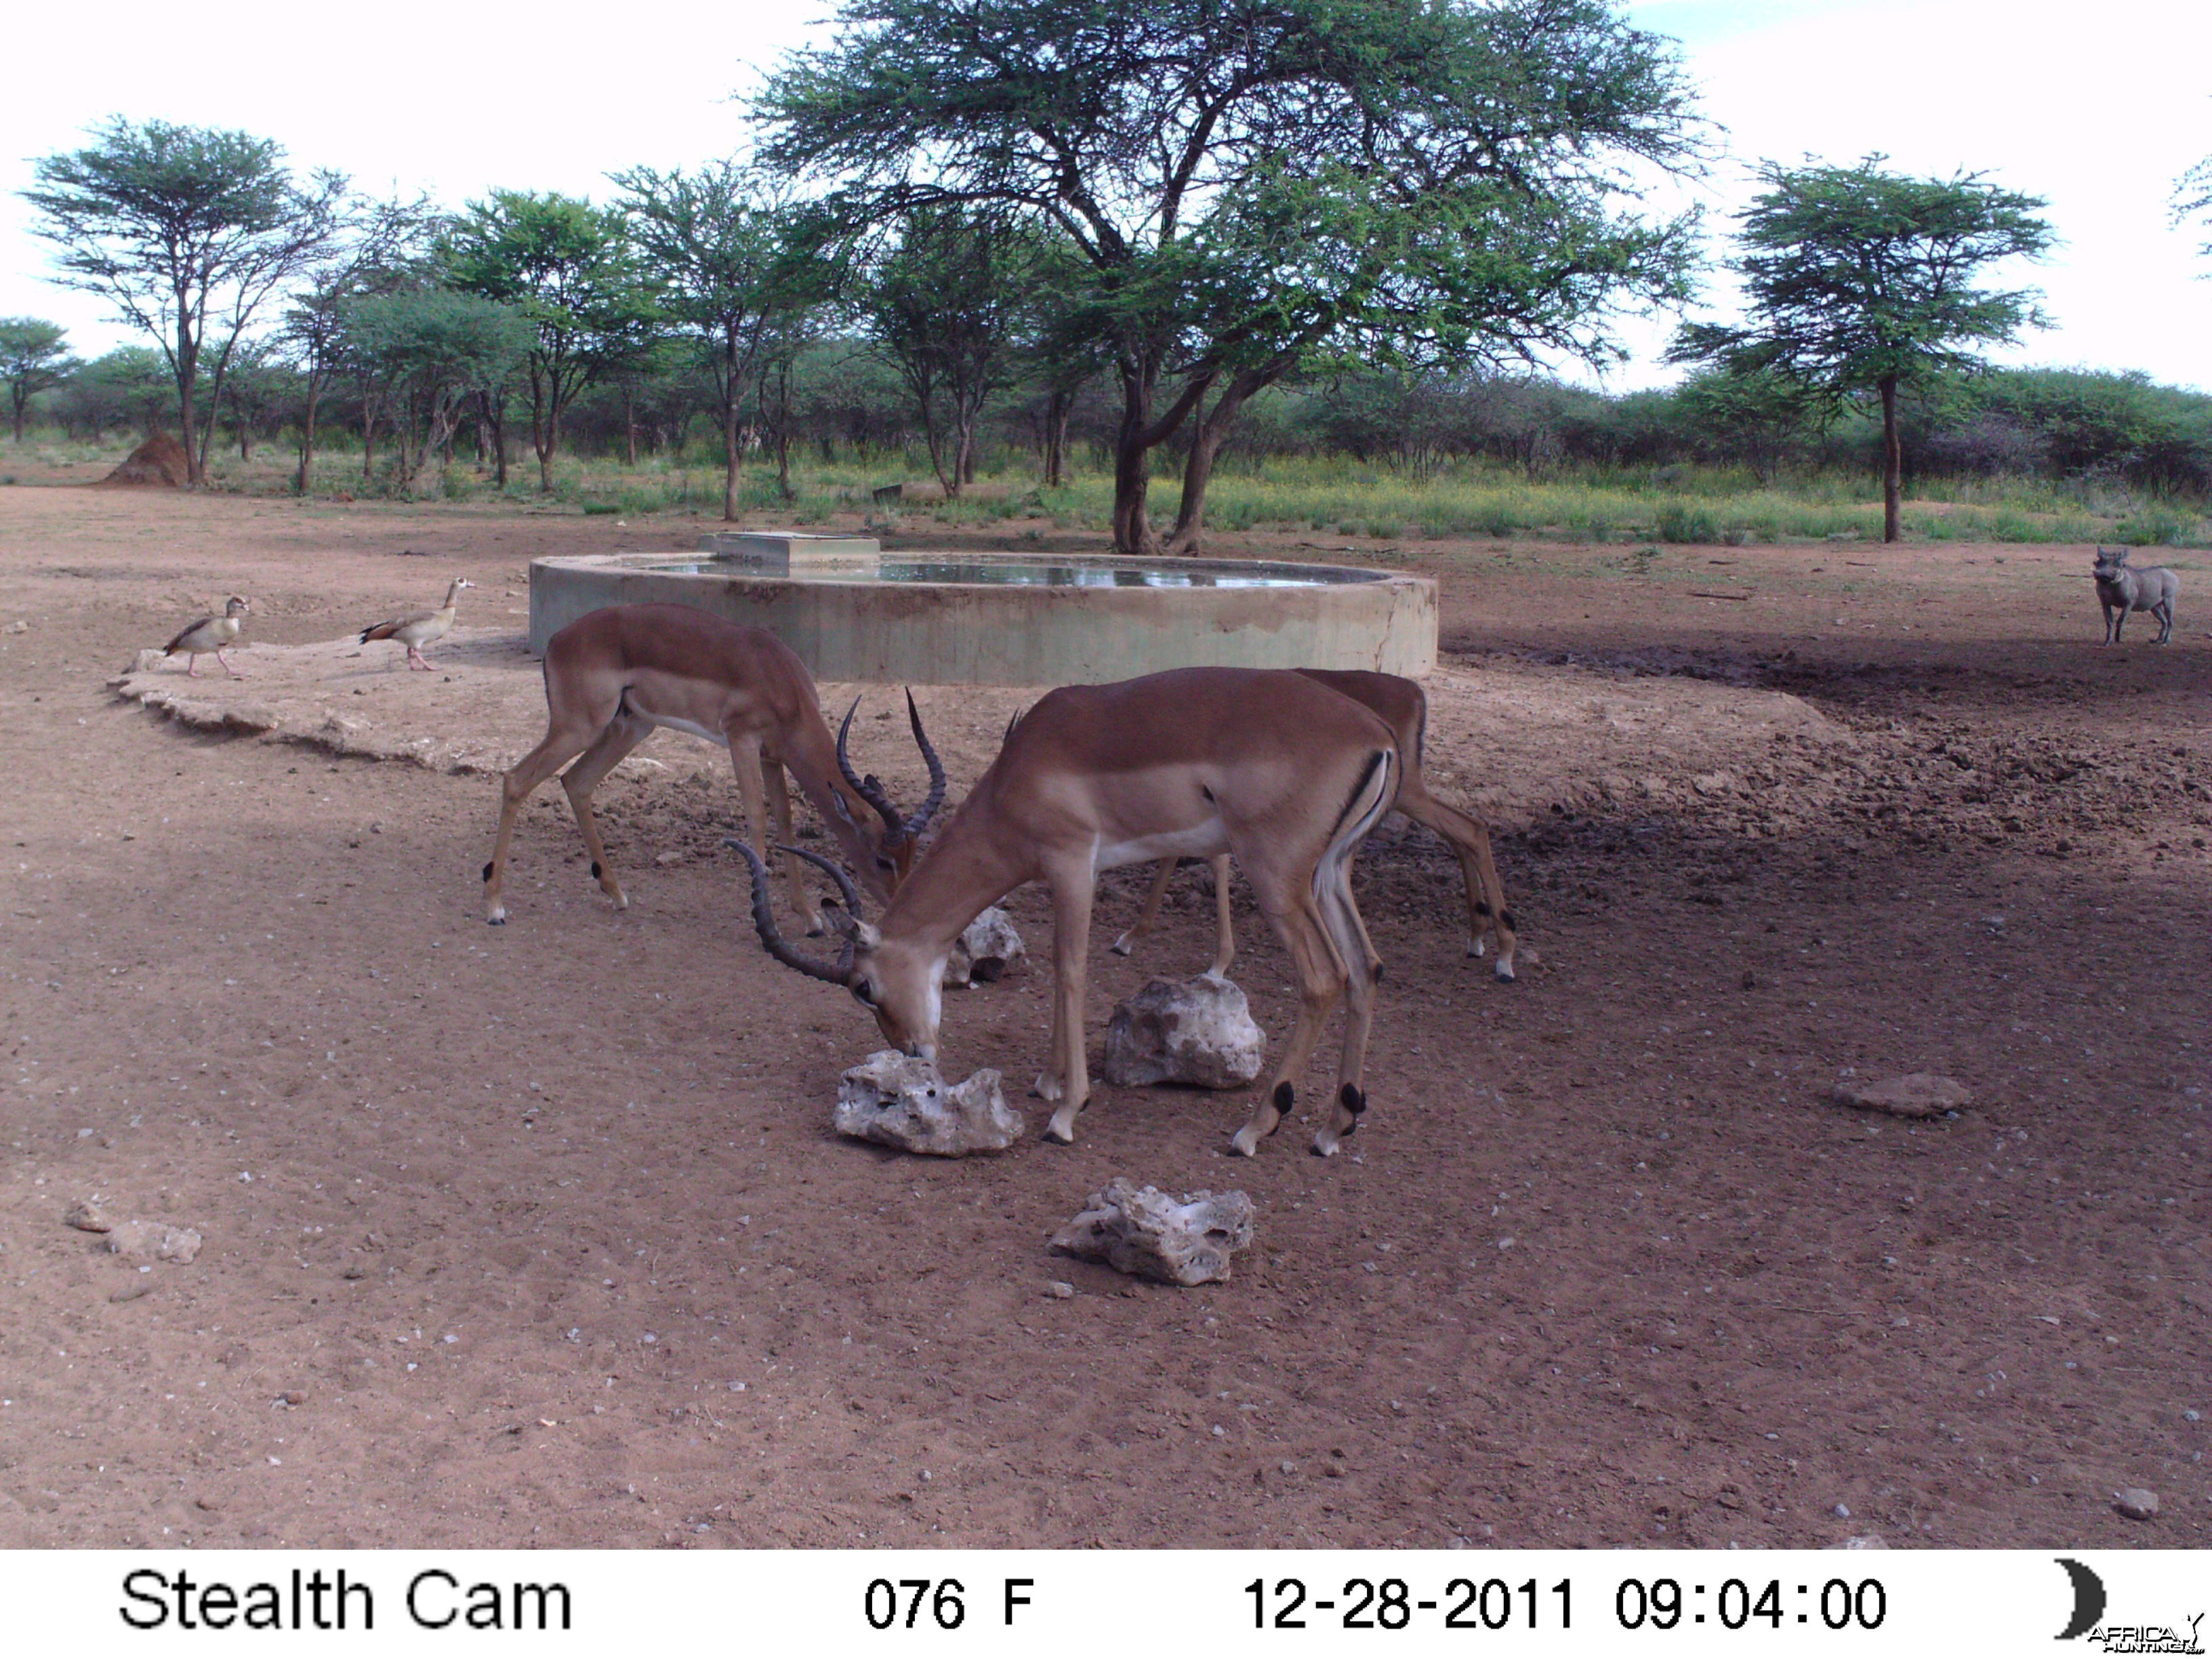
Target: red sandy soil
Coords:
[[512, 1214]]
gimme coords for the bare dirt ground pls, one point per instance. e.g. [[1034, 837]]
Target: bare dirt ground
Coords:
[[543, 1232]]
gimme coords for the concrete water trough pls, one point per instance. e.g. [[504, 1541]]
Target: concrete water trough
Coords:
[[854, 612]]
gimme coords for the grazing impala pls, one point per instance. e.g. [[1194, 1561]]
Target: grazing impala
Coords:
[[1405, 706], [614, 675], [1265, 765]]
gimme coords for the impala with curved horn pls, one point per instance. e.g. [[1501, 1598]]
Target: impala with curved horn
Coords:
[[611, 676], [1405, 706], [1263, 765]]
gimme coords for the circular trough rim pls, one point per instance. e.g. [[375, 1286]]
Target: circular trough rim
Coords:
[[1349, 576], [861, 628]]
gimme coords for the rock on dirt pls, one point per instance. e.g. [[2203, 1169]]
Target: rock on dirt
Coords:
[[86, 1217], [1175, 1241], [2137, 1504], [155, 1241], [1917, 1094], [988, 946], [898, 1101], [1198, 1031]]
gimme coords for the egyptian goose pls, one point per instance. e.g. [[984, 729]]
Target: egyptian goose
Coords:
[[210, 633], [422, 627]]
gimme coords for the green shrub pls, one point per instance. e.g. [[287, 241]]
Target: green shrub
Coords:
[[1682, 522], [2158, 525]]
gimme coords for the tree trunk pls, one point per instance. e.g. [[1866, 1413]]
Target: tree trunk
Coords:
[[1211, 432], [733, 444], [1055, 438], [188, 368], [544, 424], [1132, 530], [17, 392], [304, 480], [494, 416], [1892, 458], [629, 423]]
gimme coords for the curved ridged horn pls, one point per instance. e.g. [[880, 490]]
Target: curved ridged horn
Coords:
[[868, 788], [772, 937], [920, 821]]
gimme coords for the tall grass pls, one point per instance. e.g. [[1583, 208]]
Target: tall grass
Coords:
[[1323, 495]]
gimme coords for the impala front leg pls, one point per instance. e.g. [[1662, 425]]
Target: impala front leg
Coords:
[[779, 806], [1133, 935], [752, 771], [1071, 943], [1225, 934]]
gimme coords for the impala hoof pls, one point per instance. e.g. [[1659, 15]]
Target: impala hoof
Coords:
[[1120, 946], [1505, 970], [499, 920], [1246, 1141], [1061, 1129]]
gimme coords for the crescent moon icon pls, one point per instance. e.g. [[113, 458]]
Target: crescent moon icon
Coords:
[[2088, 1599]]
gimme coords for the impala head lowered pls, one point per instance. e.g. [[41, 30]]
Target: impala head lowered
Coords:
[[886, 977]]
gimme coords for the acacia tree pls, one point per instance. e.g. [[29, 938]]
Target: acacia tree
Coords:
[[378, 250], [1250, 185], [948, 303], [720, 242], [186, 232], [1859, 282], [34, 356], [1755, 413], [428, 354], [568, 268]]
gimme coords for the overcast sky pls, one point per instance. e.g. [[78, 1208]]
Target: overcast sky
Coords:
[[2096, 107]]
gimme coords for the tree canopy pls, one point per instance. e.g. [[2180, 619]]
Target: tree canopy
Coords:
[[567, 267], [1858, 281], [186, 231], [727, 248], [1251, 185], [35, 355]]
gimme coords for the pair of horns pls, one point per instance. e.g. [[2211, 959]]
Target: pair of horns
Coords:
[[871, 789], [771, 936]]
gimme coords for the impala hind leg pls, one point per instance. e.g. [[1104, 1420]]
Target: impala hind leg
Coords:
[[608, 751], [1321, 983], [562, 744], [1487, 918], [1068, 1079], [1340, 915]]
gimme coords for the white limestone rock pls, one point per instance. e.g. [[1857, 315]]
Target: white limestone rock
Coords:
[[1142, 1231], [898, 1101], [985, 950], [1200, 1031]]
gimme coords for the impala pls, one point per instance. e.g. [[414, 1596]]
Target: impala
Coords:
[[1265, 765], [1405, 706], [611, 676]]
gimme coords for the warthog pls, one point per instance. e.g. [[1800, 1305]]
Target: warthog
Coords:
[[2121, 588]]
